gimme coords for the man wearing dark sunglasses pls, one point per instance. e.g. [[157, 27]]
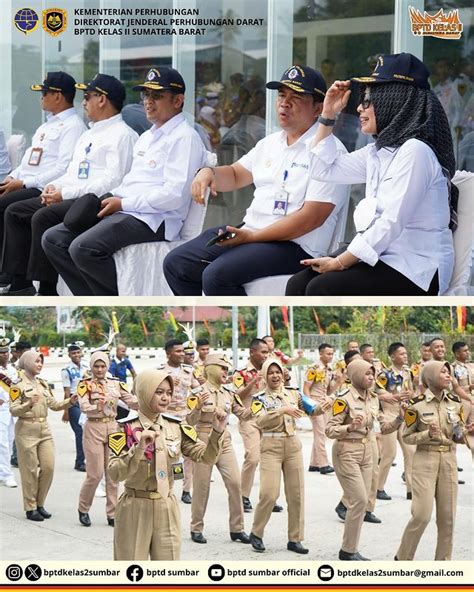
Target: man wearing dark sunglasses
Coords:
[[102, 156], [50, 152]]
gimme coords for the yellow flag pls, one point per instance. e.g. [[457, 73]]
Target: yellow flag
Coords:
[[115, 325]]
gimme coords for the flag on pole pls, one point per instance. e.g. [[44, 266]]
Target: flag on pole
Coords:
[[206, 324], [115, 325], [85, 323], [318, 323], [284, 314], [144, 327], [461, 313], [243, 330], [173, 322]]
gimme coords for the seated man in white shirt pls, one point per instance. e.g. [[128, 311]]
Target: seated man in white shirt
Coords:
[[151, 202], [290, 215], [50, 152], [102, 156]]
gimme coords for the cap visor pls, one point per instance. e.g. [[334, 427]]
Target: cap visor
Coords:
[[367, 79], [81, 86], [37, 87], [151, 86]]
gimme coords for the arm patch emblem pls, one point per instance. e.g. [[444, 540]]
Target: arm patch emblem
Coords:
[[117, 442], [189, 431], [14, 393], [256, 407], [238, 380], [338, 406], [410, 417], [192, 401], [381, 380], [82, 388], [310, 375], [124, 387]]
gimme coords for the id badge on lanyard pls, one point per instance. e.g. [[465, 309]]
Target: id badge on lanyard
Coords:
[[280, 204], [84, 166]]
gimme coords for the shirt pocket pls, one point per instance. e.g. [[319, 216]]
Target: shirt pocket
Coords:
[[173, 446]]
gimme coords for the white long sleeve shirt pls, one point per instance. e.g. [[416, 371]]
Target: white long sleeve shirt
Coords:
[[158, 186], [403, 219], [108, 148], [57, 138]]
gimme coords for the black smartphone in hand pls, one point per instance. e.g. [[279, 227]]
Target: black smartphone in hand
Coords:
[[222, 237]]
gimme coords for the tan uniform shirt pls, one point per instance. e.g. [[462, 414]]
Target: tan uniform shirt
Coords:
[[320, 377], [20, 399], [464, 374], [344, 409], [267, 408], [223, 398], [393, 381], [187, 381], [89, 393]]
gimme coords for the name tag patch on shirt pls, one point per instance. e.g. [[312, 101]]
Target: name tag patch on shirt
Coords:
[[84, 169], [35, 156]]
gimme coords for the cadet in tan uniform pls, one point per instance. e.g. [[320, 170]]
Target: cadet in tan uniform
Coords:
[[433, 422], [146, 454], [320, 382], [216, 395], [417, 367], [30, 399], [350, 424], [394, 385], [184, 381], [463, 372], [276, 409], [98, 398]]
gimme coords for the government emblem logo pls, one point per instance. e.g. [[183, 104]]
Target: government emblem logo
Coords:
[[26, 20], [54, 21]]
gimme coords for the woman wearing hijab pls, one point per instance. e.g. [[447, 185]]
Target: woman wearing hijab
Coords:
[[403, 245], [30, 400], [276, 410], [146, 455], [434, 423], [98, 399]]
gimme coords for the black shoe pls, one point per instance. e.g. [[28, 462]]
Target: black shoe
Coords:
[[84, 518], [394, 464], [382, 495], [460, 469], [14, 463], [313, 469], [247, 504], [243, 537], [43, 512], [197, 537], [186, 497], [409, 496], [277, 508], [5, 279], [461, 482], [34, 515], [371, 517], [297, 548], [326, 470], [110, 521], [403, 477], [343, 556], [257, 543], [23, 292], [81, 468], [341, 511], [396, 558]]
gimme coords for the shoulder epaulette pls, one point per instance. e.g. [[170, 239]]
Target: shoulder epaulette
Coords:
[[128, 419], [291, 388], [417, 399], [43, 382], [161, 367], [112, 378], [454, 397], [228, 387], [189, 430], [171, 417], [343, 393]]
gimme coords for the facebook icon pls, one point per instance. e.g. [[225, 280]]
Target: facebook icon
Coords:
[[134, 573]]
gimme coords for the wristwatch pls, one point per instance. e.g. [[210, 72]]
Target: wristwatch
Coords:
[[325, 121]]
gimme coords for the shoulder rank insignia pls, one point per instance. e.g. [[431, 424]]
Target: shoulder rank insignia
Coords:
[[410, 417], [197, 372], [338, 406], [117, 442], [124, 387], [189, 431], [192, 401], [239, 400], [132, 416], [82, 388], [256, 407], [43, 382], [238, 380], [417, 399], [310, 375], [381, 380], [15, 392], [454, 397]]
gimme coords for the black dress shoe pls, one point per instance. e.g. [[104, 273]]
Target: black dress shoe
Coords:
[[243, 537], [343, 556], [186, 497], [43, 512], [34, 515], [247, 504], [409, 496], [382, 495], [14, 463], [257, 543], [341, 511], [403, 477], [461, 482], [81, 468], [84, 518], [277, 508], [313, 469], [370, 517], [197, 537], [297, 548], [394, 464], [396, 558], [111, 521], [326, 470], [460, 469]]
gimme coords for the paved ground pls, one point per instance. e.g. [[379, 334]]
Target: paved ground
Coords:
[[63, 538]]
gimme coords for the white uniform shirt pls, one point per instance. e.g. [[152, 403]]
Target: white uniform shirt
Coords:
[[57, 137], [110, 156], [72, 374], [267, 162], [403, 220], [158, 186]]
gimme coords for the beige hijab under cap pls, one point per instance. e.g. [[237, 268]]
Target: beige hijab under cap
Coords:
[[430, 373], [27, 360], [266, 367], [144, 387], [103, 357], [356, 372]]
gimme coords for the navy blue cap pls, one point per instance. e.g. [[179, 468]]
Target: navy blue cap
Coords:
[[398, 67], [106, 85], [57, 81], [301, 79], [163, 78]]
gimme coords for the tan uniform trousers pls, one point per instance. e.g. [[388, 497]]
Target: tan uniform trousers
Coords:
[[435, 477], [147, 529], [375, 476], [35, 447], [388, 454], [277, 455], [187, 462], [229, 469], [319, 457], [96, 450], [251, 440], [352, 462]]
